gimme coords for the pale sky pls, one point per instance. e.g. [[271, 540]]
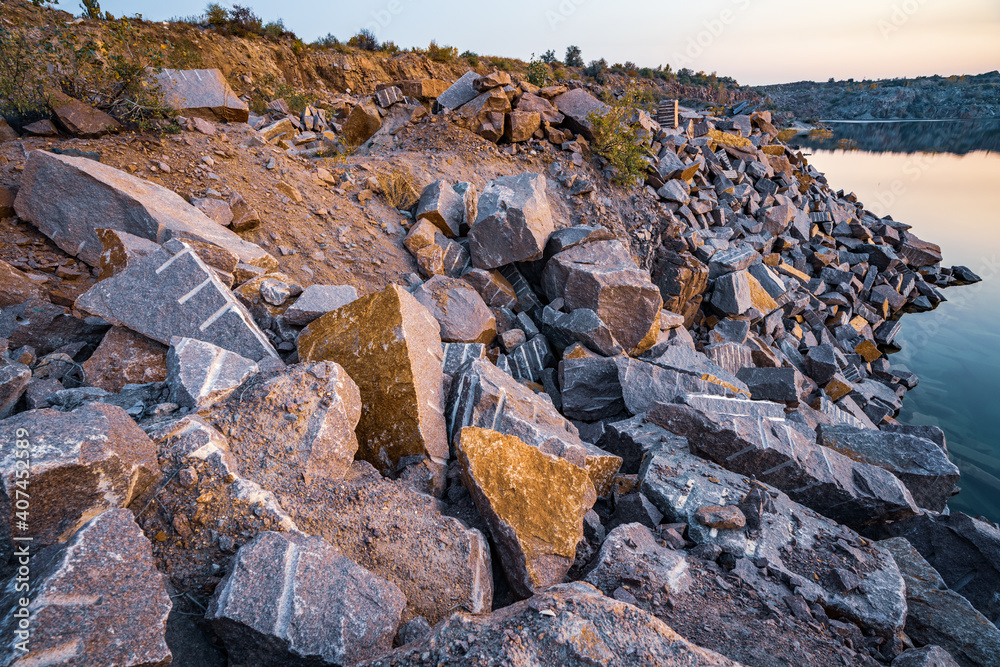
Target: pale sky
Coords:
[[755, 41]]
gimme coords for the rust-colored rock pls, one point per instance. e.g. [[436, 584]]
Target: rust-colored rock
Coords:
[[361, 124], [82, 463], [521, 125], [722, 518], [125, 357], [16, 287], [119, 249], [459, 309], [80, 119], [202, 93], [391, 346], [533, 504]]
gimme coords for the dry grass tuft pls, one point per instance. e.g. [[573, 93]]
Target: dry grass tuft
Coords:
[[398, 187]]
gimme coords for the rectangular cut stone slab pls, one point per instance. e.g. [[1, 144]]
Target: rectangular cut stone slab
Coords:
[[486, 397], [754, 438], [391, 346], [69, 198], [533, 504], [171, 292], [459, 92], [203, 93]]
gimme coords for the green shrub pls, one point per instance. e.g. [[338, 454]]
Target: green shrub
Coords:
[[388, 47], [619, 138], [549, 57], [597, 69], [441, 54], [502, 64], [538, 73], [573, 57], [471, 58], [329, 41], [21, 98]]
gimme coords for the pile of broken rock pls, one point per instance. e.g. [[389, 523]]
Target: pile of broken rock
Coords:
[[544, 453]]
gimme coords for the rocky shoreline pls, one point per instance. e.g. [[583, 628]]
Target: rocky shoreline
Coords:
[[669, 441]]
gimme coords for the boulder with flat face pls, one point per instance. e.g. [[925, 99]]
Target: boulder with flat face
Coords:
[[486, 397], [292, 424], [754, 438], [96, 600], [602, 277], [440, 204], [458, 93], [202, 93], [288, 598], [940, 616], [463, 315], [14, 379], [391, 346], [79, 119], [631, 552], [572, 625], [363, 121], [400, 535], [854, 577], [201, 374], [173, 293], [533, 504], [82, 463], [513, 221], [576, 105], [919, 463], [69, 198]]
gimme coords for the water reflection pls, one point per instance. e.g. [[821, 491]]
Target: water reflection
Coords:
[[951, 136], [955, 350]]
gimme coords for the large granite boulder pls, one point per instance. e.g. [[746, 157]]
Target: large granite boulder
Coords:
[[70, 198], [571, 625], [964, 550], [293, 424], [484, 396], [920, 464], [754, 438], [533, 504], [202, 93], [513, 221], [602, 277], [940, 616], [629, 553], [200, 374], [81, 463], [577, 105], [440, 204], [682, 280], [459, 309], [400, 535], [173, 293], [849, 576], [391, 346], [293, 600], [96, 600]]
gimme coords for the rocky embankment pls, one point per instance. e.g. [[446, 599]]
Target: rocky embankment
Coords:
[[666, 440], [934, 97]]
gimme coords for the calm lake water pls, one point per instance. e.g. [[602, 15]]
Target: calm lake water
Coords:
[[949, 196]]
